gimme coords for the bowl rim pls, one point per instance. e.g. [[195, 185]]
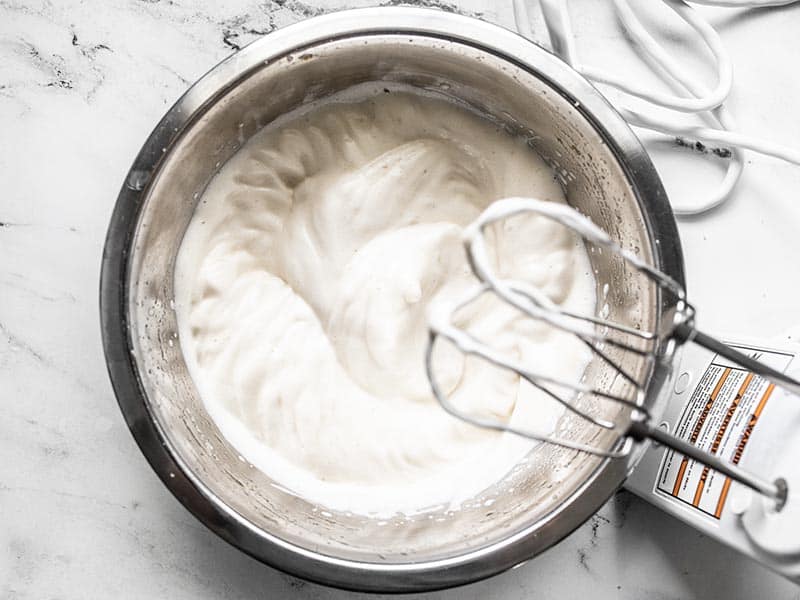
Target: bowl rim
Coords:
[[475, 564]]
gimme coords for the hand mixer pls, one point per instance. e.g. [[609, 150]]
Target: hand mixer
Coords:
[[605, 337], [719, 395]]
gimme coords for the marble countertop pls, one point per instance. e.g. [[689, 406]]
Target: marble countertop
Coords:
[[81, 513]]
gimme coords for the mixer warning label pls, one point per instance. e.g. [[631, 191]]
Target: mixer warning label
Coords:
[[719, 417]]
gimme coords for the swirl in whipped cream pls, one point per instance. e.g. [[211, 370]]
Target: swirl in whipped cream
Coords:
[[302, 286]]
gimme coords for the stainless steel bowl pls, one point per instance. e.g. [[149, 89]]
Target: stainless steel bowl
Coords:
[[605, 173]]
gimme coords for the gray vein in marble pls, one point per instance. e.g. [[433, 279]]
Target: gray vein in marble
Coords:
[[56, 71], [21, 283], [239, 31], [53, 67], [17, 343], [4, 489], [18, 7], [440, 4], [243, 29], [175, 74]]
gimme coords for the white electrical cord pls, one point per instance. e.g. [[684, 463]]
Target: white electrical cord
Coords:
[[708, 104]]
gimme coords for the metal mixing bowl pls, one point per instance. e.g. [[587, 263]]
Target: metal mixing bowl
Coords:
[[605, 172]]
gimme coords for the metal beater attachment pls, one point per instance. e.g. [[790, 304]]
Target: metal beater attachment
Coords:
[[604, 337]]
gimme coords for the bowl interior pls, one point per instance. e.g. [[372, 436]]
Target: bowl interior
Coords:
[[526, 105]]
